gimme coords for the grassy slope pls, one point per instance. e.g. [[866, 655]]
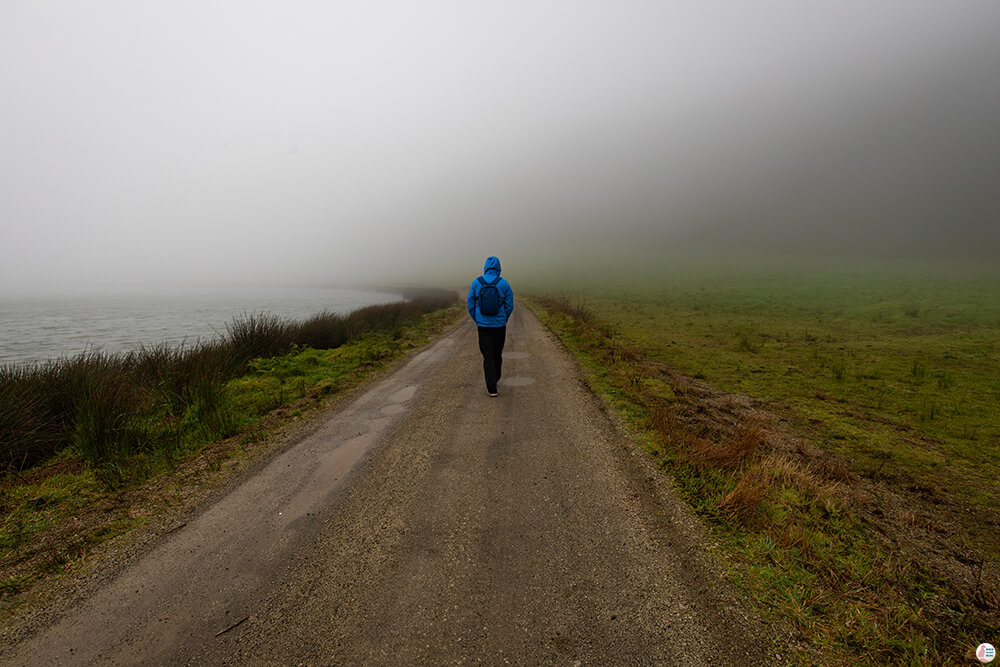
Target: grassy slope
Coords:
[[926, 354], [55, 514], [896, 374]]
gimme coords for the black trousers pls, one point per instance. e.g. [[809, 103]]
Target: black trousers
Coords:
[[491, 341]]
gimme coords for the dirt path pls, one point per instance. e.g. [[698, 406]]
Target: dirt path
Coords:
[[429, 523]]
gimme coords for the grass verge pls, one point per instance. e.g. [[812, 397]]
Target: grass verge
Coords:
[[138, 451], [794, 420]]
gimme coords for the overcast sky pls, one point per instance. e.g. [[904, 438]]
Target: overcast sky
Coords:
[[160, 143]]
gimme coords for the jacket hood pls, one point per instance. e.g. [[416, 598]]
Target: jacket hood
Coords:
[[492, 264]]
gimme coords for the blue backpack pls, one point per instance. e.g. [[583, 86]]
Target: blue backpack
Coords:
[[489, 297]]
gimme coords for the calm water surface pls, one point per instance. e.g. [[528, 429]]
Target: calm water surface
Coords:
[[47, 328]]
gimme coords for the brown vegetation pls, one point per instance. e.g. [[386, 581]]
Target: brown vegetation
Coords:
[[896, 555]]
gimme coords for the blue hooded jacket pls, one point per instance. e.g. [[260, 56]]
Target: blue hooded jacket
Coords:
[[490, 273]]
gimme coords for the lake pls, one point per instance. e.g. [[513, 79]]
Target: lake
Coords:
[[43, 328]]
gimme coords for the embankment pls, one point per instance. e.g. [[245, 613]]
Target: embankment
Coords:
[[99, 445]]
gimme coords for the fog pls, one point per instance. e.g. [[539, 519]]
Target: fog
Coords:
[[147, 145]]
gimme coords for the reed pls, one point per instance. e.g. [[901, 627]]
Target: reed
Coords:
[[324, 331], [111, 406]]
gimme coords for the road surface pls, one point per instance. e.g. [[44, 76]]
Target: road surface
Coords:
[[427, 523]]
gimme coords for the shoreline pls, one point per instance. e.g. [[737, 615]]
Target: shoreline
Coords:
[[77, 517], [48, 328]]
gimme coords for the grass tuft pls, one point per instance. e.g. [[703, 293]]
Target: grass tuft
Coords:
[[747, 497], [114, 421], [109, 407], [857, 516], [730, 451]]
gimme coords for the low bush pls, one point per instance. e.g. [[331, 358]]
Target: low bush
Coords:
[[324, 331]]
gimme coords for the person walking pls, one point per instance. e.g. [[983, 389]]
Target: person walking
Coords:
[[490, 303]]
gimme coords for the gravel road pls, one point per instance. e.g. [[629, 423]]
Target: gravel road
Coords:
[[427, 523]]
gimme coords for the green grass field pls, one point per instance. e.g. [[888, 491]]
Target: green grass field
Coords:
[[882, 544]]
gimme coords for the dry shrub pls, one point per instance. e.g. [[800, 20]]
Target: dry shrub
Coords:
[[628, 354], [627, 360], [794, 474], [745, 499], [771, 473], [834, 468], [732, 451], [747, 438], [792, 535], [664, 419], [633, 374], [577, 309]]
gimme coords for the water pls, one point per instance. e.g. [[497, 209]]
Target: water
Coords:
[[47, 328]]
